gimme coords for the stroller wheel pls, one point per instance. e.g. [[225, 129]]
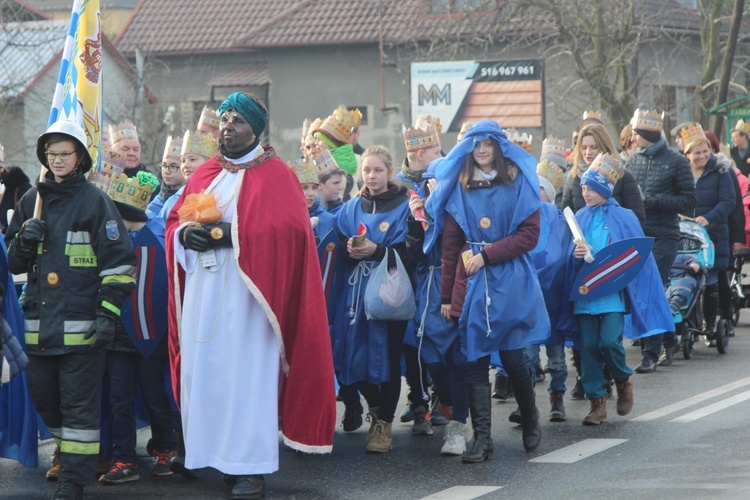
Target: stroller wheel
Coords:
[[722, 336], [687, 344], [736, 306]]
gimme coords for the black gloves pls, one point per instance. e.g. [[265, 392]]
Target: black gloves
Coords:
[[651, 202], [201, 238], [104, 328], [31, 233]]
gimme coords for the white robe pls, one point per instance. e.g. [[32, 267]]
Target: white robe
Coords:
[[229, 382]]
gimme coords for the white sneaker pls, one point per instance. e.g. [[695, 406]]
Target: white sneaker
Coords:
[[457, 436]]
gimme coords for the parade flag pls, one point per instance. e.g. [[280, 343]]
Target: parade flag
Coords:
[[78, 93]]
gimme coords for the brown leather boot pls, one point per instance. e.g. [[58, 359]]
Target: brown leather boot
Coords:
[[598, 413], [625, 397]]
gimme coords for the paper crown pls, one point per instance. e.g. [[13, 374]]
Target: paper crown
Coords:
[[325, 163], [314, 126], [199, 143], [111, 166], [208, 123], [424, 134], [341, 124], [644, 119], [608, 166], [2, 154], [743, 127], [552, 172], [306, 171], [465, 126], [553, 150], [693, 132], [523, 140], [172, 150], [305, 127], [592, 114], [124, 130], [132, 191]]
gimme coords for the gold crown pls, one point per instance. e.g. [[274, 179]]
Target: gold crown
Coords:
[[306, 171], [172, 149], [305, 127], [465, 126], [129, 191], [743, 127], [523, 140], [208, 123], [423, 135], [693, 132], [314, 126], [647, 120], [552, 172], [607, 165], [553, 149], [199, 143], [341, 124], [112, 165], [124, 130], [592, 114], [2, 154], [324, 163]]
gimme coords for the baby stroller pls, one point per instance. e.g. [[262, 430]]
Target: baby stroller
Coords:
[[694, 240], [740, 291]]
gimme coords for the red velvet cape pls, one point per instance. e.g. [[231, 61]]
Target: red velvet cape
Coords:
[[272, 235]]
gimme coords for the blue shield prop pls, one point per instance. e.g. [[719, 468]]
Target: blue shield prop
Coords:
[[614, 266], [144, 313], [332, 270]]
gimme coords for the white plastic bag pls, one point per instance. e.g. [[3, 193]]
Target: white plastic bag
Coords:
[[389, 295]]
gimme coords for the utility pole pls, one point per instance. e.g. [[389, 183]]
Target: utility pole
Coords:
[[726, 65]]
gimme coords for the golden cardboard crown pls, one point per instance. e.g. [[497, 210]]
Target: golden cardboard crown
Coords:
[[523, 140], [306, 171], [743, 127], [592, 114], [693, 132], [112, 165], [607, 165], [324, 163], [172, 150], [208, 123], [123, 130], [305, 127], [341, 123], [199, 143], [647, 120], [424, 134], [314, 126], [129, 191], [553, 149], [552, 172], [465, 126]]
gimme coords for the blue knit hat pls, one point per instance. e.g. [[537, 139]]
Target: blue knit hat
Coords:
[[603, 174]]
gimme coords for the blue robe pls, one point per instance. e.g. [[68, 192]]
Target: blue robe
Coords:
[[333, 288], [649, 312], [360, 347]]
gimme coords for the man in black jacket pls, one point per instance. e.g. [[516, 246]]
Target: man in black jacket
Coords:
[[666, 181], [740, 150]]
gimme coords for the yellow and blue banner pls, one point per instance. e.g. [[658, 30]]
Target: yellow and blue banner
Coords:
[[78, 93]]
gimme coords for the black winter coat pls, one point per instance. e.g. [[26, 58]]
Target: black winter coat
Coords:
[[716, 200], [665, 175], [16, 184], [741, 161], [626, 192]]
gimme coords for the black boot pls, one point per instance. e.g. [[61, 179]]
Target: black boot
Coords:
[[526, 398], [248, 487], [502, 391], [480, 405]]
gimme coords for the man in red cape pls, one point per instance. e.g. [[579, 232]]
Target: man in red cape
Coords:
[[268, 247]]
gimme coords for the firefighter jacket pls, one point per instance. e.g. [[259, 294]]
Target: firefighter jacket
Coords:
[[84, 264]]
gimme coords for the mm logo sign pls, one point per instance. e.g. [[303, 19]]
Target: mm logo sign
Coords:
[[434, 96]]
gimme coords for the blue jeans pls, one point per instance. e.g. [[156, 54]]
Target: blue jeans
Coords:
[[601, 342], [124, 370], [557, 368]]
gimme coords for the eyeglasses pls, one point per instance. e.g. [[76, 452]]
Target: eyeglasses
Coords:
[[63, 155], [172, 167]]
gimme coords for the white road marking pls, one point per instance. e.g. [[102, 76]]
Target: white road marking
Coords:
[[698, 398], [462, 493], [713, 408], [578, 451]]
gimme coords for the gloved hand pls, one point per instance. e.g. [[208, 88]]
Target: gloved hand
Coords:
[[220, 234], [651, 202], [195, 237], [31, 233], [104, 328]]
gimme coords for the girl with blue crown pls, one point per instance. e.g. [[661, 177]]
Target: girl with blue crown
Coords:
[[368, 352], [486, 204]]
